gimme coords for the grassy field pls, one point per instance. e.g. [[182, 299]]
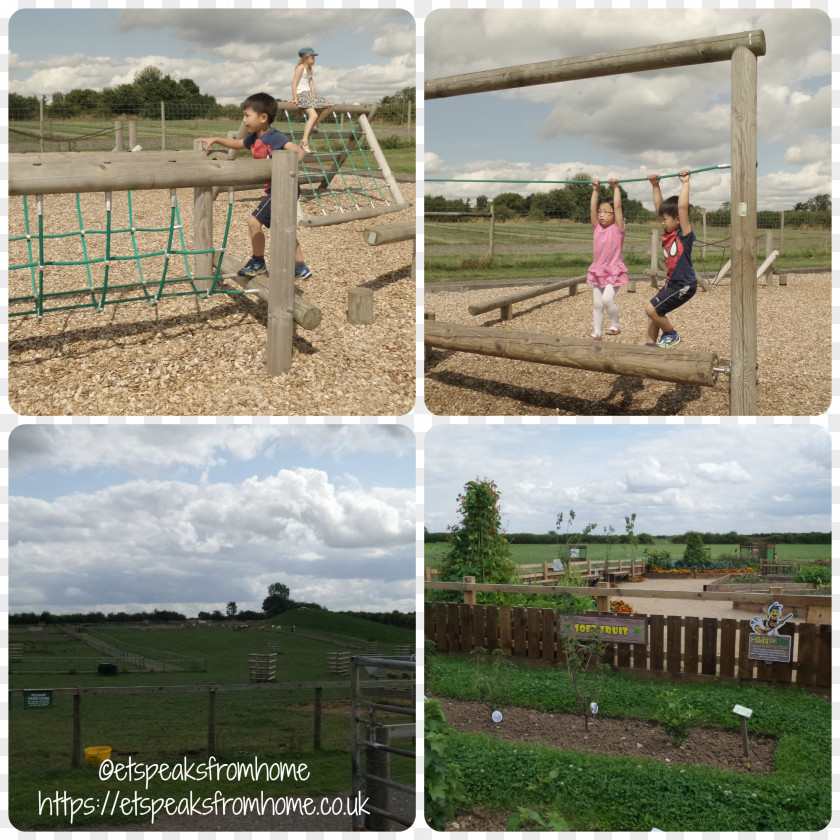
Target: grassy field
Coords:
[[93, 135], [573, 244], [595, 792], [274, 726], [538, 553]]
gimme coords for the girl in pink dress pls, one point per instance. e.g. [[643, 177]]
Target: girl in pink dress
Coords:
[[607, 274]]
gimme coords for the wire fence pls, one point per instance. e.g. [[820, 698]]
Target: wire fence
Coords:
[[163, 125]]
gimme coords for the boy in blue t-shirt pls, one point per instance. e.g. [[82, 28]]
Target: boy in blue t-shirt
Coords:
[[258, 112], [681, 281]]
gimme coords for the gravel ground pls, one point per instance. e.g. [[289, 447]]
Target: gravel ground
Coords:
[[193, 357], [794, 355]]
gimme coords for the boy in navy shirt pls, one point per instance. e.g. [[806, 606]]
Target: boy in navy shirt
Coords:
[[258, 112], [681, 281]]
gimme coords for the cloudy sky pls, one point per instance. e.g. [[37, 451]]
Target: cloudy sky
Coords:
[[631, 125], [363, 54], [188, 518], [697, 477]]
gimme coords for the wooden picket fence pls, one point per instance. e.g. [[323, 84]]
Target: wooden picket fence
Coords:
[[679, 647]]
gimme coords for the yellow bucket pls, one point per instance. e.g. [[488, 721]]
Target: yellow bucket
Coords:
[[96, 755]]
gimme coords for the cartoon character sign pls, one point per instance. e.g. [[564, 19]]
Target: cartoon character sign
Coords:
[[771, 625]]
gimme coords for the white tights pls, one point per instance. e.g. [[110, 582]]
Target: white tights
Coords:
[[604, 298]]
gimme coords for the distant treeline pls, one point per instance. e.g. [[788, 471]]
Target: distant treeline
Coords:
[[95, 617], [709, 538], [397, 619]]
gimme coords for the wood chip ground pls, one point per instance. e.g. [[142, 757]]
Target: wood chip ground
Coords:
[[188, 356], [794, 355]]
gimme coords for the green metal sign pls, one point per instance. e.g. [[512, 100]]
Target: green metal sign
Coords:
[[38, 699]]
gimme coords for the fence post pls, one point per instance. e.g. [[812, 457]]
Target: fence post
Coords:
[[281, 291], [378, 763], [162, 126], [316, 740], [132, 134], [492, 228], [602, 596], [119, 144], [211, 722], [470, 598], [705, 239], [77, 728], [782, 236], [41, 131], [408, 122]]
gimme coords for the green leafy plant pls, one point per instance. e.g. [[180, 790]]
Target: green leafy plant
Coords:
[[529, 819], [584, 668], [492, 681], [818, 574], [677, 715], [477, 545], [442, 787]]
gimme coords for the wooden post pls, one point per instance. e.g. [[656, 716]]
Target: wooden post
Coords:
[[767, 268], [782, 235], [427, 573], [744, 318], [202, 230], [705, 239], [504, 303], [470, 598], [281, 294], [41, 130], [602, 596], [119, 143], [377, 763], [360, 305], [211, 721], [77, 729], [408, 119], [655, 249], [316, 739], [162, 126], [132, 135], [492, 247], [545, 570]]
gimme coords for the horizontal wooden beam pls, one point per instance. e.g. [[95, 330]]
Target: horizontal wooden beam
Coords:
[[386, 234], [633, 592], [81, 172], [685, 366], [351, 215], [340, 108], [655, 57], [537, 291]]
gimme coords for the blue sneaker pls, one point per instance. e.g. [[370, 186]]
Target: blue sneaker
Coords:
[[667, 340], [302, 273], [252, 268]]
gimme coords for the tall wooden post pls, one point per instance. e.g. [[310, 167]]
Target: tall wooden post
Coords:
[[132, 134], [77, 729], [119, 143], [743, 397], [281, 292], [705, 237], [602, 597], [162, 126], [41, 123], [316, 738], [203, 230], [470, 597], [492, 246], [211, 722], [782, 235]]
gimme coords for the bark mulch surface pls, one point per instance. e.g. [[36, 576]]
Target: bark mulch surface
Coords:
[[794, 355], [188, 356], [720, 748]]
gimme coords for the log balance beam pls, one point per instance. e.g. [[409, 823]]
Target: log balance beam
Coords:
[[656, 57], [305, 314], [506, 303], [688, 367]]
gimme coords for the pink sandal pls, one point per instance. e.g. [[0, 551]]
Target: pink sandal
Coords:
[[613, 331], [594, 337]]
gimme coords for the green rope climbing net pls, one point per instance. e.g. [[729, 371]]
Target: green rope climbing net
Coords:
[[334, 173], [97, 294]]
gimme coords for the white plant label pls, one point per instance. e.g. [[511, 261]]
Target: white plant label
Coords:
[[497, 717], [593, 707], [743, 711]]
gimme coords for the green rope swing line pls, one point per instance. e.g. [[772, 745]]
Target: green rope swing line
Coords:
[[536, 181], [99, 294]]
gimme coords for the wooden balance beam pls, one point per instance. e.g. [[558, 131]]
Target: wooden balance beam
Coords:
[[506, 303], [690, 367]]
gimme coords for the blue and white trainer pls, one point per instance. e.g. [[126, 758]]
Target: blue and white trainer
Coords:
[[667, 340], [302, 273], [253, 268]]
